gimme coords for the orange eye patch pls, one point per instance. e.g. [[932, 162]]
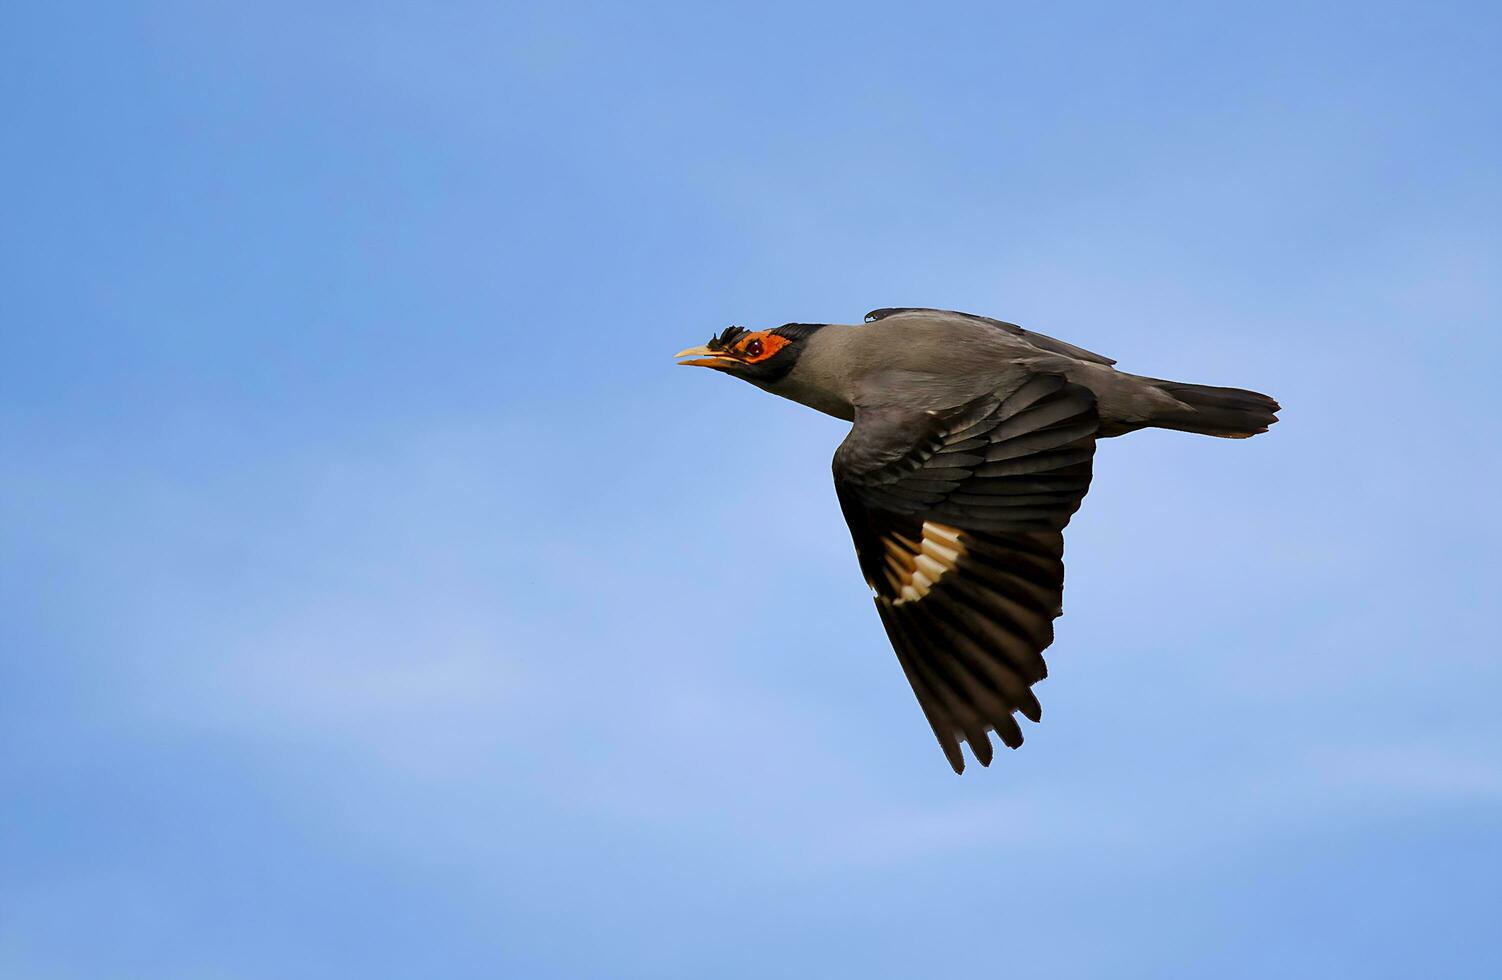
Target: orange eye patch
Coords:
[[757, 347]]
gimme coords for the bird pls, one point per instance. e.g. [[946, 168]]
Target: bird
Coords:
[[971, 447]]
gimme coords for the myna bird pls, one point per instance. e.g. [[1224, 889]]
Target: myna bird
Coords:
[[971, 449]]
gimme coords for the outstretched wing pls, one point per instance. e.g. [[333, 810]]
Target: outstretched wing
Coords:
[[957, 518]]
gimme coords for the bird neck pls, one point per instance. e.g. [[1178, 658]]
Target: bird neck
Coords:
[[821, 378]]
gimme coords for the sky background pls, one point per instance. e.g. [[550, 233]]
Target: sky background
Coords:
[[377, 599]]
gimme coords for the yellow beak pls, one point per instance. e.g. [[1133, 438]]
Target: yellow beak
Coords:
[[704, 357]]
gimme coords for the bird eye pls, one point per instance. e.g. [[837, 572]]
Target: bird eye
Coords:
[[754, 348]]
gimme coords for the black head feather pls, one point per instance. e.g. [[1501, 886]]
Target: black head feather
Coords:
[[725, 338], [768, 370], [798, 331]]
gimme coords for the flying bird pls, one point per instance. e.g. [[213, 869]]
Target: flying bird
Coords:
[[971, 448]]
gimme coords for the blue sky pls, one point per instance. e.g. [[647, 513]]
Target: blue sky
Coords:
[[377, 598]]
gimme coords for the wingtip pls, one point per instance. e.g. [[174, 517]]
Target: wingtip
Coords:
[[982, 750], [1031, 708]]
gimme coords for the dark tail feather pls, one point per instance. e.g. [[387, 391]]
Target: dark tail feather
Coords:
[[1231, 413]]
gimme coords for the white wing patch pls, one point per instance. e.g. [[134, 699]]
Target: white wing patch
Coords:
[[915, 567]]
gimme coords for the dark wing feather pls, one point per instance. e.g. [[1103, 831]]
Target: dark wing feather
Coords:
[[957, 518]]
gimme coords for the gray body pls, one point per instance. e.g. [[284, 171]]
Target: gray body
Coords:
[[928, 360]]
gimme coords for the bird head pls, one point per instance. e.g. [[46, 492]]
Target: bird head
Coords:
[[759, 356]]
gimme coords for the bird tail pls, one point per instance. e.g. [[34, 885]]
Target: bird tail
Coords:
[[1231, 413]]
